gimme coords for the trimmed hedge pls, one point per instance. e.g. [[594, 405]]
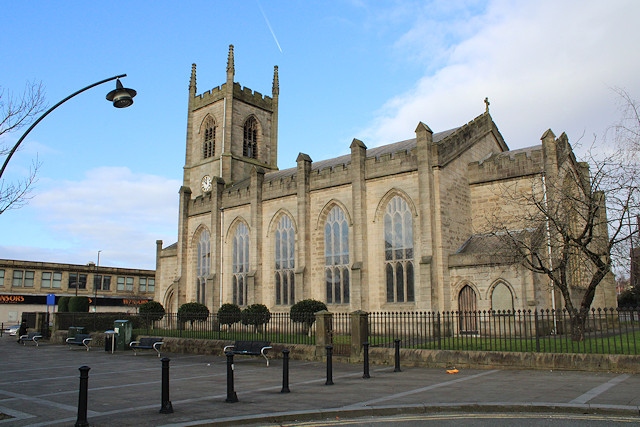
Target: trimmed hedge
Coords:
[[228, 314], [79, 304], [63, 304], [256, 315], [304, 311], [95, 322], [192, 312], [152, 310]]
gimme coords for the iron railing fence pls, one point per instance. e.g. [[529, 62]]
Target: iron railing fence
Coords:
[[341, 334], [275, 327], [607, 331]]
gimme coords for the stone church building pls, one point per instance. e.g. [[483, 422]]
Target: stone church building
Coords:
[[392, 228]]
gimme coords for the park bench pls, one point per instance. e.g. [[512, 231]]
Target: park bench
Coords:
[[146, 344], [79, 339], [31, 336], [249, 348]]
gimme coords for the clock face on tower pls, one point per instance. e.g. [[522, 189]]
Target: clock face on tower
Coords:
[[206, 183]]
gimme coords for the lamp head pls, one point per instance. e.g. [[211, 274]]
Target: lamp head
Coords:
[[121, 97]]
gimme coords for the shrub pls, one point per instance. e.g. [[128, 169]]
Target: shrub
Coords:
[[92, 322], [256, 315], [228, 314], [63, 304], [629, 298], [304, 312], [152, 310], [192, 311], [78, 304]]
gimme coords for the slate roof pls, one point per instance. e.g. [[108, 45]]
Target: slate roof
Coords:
[[495, 243], [376, 152]]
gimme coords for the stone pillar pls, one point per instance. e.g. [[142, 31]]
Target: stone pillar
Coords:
[[427, 292], [303, 218], [359, 332], [42, 323], [324, 331], [183, 246], [359, 297], [216, 228], [254, 283]]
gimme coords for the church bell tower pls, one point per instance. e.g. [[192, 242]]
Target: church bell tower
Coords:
[[230, 130]]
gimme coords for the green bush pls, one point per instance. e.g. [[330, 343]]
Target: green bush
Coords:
[[228, 314], [151, 311], [192, 312], [94, 322], [78, 304], [304, 311], [63, 304], [629, 298], [256, 315]]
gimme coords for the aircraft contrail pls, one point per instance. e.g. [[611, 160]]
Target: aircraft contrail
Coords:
[[269, 25]]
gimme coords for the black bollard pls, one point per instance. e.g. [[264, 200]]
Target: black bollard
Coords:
[[165, 406], [366, 360], [329, 365], [81, 421], [397, 344], [285, 371], [231, 394]]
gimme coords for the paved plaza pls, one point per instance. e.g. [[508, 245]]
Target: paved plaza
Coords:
[[39, 386]]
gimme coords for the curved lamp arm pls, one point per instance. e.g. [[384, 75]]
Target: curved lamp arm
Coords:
[[15, 147]]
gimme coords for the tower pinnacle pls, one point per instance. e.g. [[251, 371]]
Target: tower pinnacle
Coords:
[[192, 81], [275, 88], [231, 69]]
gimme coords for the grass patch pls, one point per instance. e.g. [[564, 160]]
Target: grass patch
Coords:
[[626, 343]]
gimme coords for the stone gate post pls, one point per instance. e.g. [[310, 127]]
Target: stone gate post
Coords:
[[324, 331], [359, 333]]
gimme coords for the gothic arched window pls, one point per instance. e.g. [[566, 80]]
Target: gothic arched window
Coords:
[[240, 264], [501, 299], [203, 265], [336, 256], [250, 141], [285, 261], [209, 138], [398, 251]]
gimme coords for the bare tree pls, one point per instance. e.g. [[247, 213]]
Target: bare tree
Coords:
[[16, 113], [625, 134], [572, 221]]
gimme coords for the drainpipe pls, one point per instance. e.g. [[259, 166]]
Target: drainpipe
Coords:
[[548, 229]]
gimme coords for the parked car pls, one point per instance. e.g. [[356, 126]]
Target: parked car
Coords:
[[12, 330]]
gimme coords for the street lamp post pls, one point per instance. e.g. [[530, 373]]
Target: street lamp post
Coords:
[[121, 97]]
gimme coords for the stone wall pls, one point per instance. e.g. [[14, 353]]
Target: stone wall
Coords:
[[444, 359]]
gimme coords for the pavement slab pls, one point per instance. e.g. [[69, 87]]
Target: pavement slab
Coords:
[[39, 386]]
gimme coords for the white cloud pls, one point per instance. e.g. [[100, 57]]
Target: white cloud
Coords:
[[112, 209], [543, 64]]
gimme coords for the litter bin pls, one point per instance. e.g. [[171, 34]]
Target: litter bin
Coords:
[[124, 331], [109, 344]]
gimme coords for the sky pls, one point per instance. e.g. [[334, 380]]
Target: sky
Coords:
[[109, 178]]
